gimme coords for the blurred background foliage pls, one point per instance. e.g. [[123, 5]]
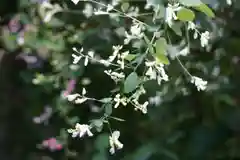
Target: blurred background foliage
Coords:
[[184, 124]]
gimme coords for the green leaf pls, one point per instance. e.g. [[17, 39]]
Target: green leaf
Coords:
[[130, 57], [9, 40], [101, 142], [185, 14], [205, 9], [73, 120], [161, 45], [131, 82], [144, 152], [55, 22], [98, 124], [99, 156], [191, 2], [108, 109], [176, 27]]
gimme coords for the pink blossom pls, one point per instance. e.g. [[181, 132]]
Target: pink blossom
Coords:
[[70, 87], [52, 144]]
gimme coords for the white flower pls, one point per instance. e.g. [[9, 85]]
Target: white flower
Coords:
[[53, 10], [141, 107], [199, 83], [136, 33], [138, 93], [100, 12], [121, 59], [115, 2], [119, 101], [76, 58], [133, 11], [114, 75], [191, 25], [156, 100], [136, 30], [75, 1], [170, 13], [110, 7], [105, 62], [72, 97], [81, 99], [114, 142], [116, 50], [205, 38], [80, 130], [184, 51], [90, 55], [88, 10], [156, 71], [151, 72], [229, 2], [195, 35]]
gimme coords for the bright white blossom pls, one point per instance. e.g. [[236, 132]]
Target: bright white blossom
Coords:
[[77, 58], [89, 56], [72, 97], [116, 50], [138, 93], [47, 10], [135, 33], [120, 100], [170, 13], [114, 142], [229, 2], [114, 75], [191, 26], [88, 10], [155, 100], [81, 99], [80, 130], [121, 59], [75, 1], [199, 83], [133, 11], [141, 107], [156, 71], [205, 38], [77, 98]]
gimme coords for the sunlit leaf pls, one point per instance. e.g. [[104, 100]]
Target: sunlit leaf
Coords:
[[161, 45], [205, 9], [185, 14]]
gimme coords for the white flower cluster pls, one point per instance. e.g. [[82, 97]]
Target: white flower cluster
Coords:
[[135, 33], [77, 58], [81, 130], [47, 10], [229, 2], [170, 14], [114, 142], [156, 71], [77, 98], [204, 37], [199, 83], [119, 58]]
